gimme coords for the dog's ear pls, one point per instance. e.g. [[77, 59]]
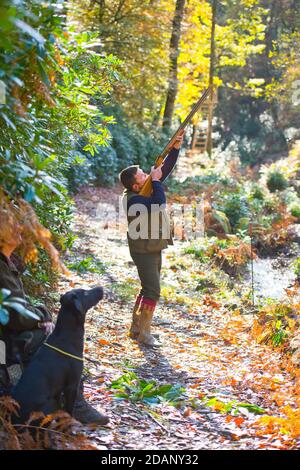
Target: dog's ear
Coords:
[[64, 298], [69, 299], [78, 305]]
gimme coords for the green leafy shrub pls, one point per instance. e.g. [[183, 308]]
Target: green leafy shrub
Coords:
[[276, 181], [40, 278], [52, 84], [257, 192], [104, 166], [235, 206], [128, 145], [90, 264], [295, 210], [18, 304]]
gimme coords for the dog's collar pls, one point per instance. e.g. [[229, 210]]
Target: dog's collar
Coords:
[[63, 352]]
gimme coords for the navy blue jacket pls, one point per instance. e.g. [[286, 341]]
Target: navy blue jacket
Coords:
[[158, 195]]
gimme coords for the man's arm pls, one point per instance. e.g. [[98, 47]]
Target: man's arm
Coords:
[[169, 163], [158, 197], [172, 157]]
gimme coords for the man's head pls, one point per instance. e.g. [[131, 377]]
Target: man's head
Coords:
[[133, 178]]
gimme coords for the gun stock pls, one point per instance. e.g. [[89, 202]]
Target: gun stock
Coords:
[[147, 187]]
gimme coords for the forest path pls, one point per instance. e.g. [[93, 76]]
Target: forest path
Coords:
[[207, 349]]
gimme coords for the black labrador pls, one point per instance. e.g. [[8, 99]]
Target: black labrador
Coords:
[[55, 372]]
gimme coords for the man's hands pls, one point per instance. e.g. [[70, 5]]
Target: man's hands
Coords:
[[156, 173], [48, 326], [178, 141]]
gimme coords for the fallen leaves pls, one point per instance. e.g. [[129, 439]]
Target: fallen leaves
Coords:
[[206, 347], [104, 342], [274, 425]]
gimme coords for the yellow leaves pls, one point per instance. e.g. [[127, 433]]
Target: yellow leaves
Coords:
[[230, 333], [236, 47], [273, 425], [219, 406], [279, 399]]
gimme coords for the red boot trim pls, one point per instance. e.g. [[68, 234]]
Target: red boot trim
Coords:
[[149, 302]]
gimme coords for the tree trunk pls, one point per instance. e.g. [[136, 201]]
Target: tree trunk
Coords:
[[174, 52], [211, 77]]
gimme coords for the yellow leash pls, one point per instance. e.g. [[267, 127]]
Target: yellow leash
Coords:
[[63, 352]]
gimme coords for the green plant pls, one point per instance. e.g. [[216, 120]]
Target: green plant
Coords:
[[129, 386], [90, 264], [199, 251], [125, 290], [257, 192], [232, 407], [276, 181], [16, 303], [234, 205], [275, 322], [295, 209], [279, 334], [297, 267], [40, 278], [56, 213]]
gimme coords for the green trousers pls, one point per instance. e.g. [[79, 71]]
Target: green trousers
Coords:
[[149, 267]]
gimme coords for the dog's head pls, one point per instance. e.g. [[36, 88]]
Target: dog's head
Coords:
[[81, 300]]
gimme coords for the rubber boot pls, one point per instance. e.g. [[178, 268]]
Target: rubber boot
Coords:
[[145, 337], [135, 323], [85, 413]]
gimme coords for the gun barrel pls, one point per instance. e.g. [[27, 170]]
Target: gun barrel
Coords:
[[147, 187], [187, 120]]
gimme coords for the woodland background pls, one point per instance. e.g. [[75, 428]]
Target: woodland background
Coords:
[[89, 87]]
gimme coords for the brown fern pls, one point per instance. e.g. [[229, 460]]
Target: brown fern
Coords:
[[56, 431], [19, 224]]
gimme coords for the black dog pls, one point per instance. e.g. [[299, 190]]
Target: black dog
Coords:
[[52, 373]]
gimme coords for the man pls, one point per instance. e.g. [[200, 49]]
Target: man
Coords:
[[23, 335], [148, 234]]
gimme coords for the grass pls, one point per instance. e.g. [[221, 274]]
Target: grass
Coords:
[[88, 265], [126, 290]]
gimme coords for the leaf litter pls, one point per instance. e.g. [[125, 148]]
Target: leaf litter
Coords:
[[228, 391]]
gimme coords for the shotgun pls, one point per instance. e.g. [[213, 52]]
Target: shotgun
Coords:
[[147, 186]]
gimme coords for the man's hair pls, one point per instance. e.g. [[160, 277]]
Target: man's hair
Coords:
[[127, 176]]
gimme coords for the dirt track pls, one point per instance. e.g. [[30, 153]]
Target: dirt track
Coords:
[[207, 349]]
